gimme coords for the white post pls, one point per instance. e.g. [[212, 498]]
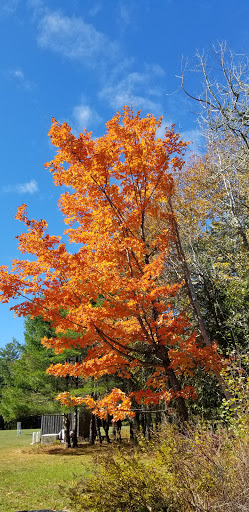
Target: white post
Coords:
[[36, 437]]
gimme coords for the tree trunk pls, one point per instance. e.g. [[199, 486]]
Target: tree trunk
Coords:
[[194, 301], [132, 436], [92, 432], [98, 424], [75, 428], [116, 430], [158, 421], [106, 424], [174, 384], [148, 425], [66, 426], [143, 423], [180, 401]]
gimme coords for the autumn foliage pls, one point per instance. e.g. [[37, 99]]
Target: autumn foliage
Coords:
[[113, 290]]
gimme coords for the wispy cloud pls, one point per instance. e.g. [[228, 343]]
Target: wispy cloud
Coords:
[[118, 80], [18, 76], [125, 13], [95, 9], [137, 89], [85, 117], [37, 5], [120, 83], [30, 187], [72, 37], [8, 7], [38, 10]]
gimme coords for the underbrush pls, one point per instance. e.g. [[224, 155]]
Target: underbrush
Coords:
[[195, 470]]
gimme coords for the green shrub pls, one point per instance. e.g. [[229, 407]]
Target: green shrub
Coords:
[[124, 482]]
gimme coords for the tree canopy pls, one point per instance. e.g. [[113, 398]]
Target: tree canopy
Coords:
[[114, 291]]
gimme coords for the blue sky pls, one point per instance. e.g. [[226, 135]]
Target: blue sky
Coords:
[[80, 61]]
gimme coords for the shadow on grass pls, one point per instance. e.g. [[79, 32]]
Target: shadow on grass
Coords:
[[83, 449]]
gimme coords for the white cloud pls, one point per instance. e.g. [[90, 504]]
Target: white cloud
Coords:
[[125, 13], [135, 89], [95, 9], [119, 96], [85, 117], [8, 7], [36, 4], [155, 69], [75, 39], [37, 8], [18, 76], [29, 187]]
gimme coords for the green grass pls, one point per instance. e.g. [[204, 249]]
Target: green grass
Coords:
[[9, 439], [30, 476]]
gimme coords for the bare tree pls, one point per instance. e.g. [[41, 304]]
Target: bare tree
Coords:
[[224, 99], [224, 117]]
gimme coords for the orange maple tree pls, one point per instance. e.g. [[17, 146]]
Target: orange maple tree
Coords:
[[113, 291]]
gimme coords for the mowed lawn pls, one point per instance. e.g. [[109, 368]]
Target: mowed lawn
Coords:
[[30, 475]]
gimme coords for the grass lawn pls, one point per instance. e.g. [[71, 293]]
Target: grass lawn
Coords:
[[30, 475]]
